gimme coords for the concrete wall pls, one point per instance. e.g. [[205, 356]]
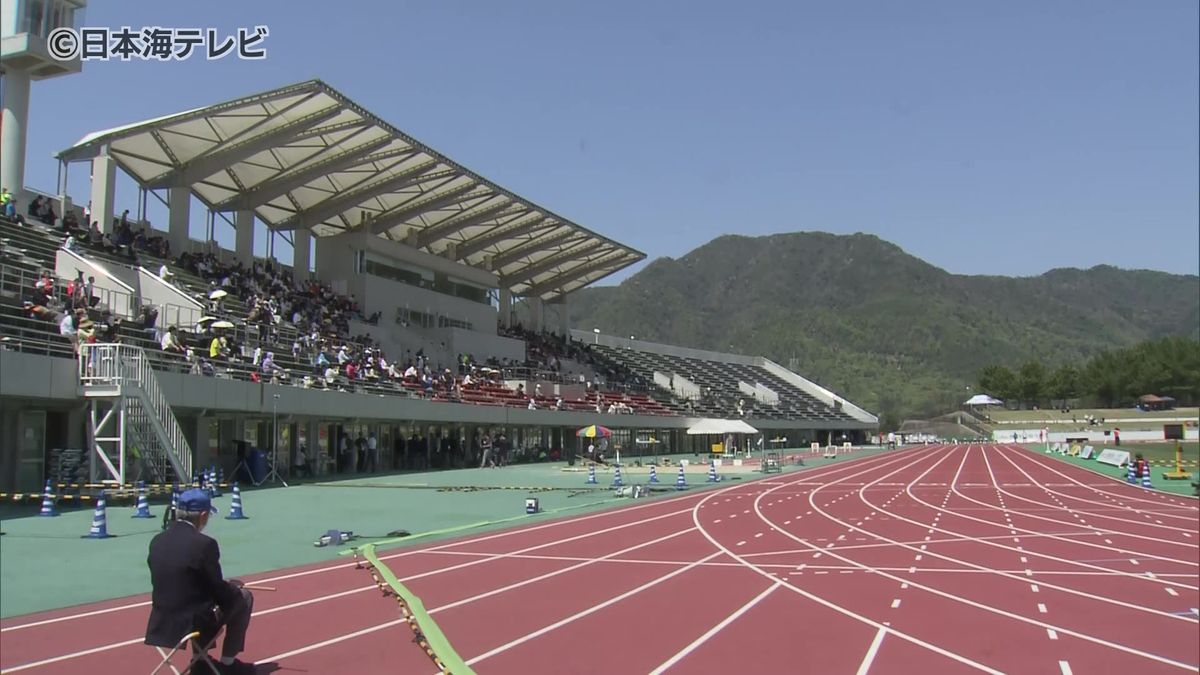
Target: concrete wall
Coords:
[[484, 345]]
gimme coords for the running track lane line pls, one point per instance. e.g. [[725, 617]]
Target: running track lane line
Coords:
[[1090, 514], [1130, 492], [983, 540], [871, 652], [689, 566], [838, 608], [465, 601], [714, 630], [611, 601], [1092, 530], [817, 472], [956, 598], [1129, 510], [591, 610], [310, 601], [720, 491]]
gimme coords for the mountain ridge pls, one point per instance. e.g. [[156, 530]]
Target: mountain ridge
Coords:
[[886, 329]]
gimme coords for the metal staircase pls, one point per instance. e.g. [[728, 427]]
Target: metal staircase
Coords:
[[132, 430]]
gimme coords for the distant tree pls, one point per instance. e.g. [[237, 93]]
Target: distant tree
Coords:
[[998, 381], [1031, 382], [1064, 383]]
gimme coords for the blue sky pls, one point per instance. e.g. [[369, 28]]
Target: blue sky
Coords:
[[998, 138]]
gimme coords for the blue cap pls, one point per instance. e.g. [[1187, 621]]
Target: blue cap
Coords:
[[195, 501]]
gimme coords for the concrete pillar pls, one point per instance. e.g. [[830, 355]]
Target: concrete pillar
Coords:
[[243, 222], [13, 127], [179, 213], [505, 307], [301, 253], [564, 317], [104, 190], [536, 311]]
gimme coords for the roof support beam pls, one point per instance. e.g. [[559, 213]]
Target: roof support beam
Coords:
[[276, 187], [389, 219], [468, 218], [94, 145], [231, 152], [333, 206], [556, 282], [500, 260], [575, 252], [523, 224]]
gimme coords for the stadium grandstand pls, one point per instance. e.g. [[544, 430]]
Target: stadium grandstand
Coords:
[[133, 351]]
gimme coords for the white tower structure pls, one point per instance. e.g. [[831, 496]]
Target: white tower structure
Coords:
[[25, 55]]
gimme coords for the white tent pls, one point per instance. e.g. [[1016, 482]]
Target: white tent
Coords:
[[982, 399], [720, 427]]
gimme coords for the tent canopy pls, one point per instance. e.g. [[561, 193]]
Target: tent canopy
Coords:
[[982, 399], [714, 426]]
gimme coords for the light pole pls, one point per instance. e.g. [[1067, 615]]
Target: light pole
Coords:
[[274, 473], [596, 340]]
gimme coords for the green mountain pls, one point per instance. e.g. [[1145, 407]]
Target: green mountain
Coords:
[[889, 331]]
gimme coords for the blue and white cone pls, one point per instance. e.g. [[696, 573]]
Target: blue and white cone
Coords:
[[653, 474], [235, 508], [680, 480], [1131, 476], [218, 476], [1146, 478], [712, 472], [617, 482], [48, 510], [99, 521], [143, 503], [591, 474]]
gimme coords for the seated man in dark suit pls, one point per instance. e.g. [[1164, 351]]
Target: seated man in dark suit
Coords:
[[185, 572]]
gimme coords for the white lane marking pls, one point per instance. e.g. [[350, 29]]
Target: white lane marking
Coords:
[[591, 610], [871, 652], [895, 603], [1171, 591], [1053, 635], [714, 630], [1064, 667], [1041, 608]]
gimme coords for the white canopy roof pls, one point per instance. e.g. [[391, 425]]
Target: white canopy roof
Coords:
[[982, 399], [720, 427], [305, 156]]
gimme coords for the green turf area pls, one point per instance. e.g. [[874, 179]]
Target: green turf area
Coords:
[[47, 565], [1181, 487]]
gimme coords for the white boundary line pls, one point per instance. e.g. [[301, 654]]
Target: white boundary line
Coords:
[[885, 460], [1091, 514], [842, 610], [1179, 501], [591, 610], [682, 653], [518, 529], [871, 652], [962, 600], [1076, 563]]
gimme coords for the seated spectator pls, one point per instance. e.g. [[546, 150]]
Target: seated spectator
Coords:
[[171, 342]]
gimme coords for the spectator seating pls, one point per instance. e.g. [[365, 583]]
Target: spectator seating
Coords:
[[718, 381]]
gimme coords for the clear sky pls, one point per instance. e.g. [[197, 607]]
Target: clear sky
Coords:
[[1000, 138]]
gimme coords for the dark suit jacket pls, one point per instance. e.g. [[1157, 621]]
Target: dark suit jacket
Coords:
[[185, 573]]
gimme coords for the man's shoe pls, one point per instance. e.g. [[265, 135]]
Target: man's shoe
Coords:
[[236, 668]]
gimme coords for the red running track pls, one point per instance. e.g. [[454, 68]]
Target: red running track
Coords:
[[928, 560]]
